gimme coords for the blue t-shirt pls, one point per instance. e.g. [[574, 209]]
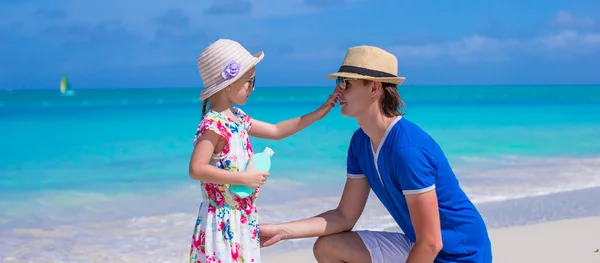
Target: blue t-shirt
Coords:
[[409, 161]]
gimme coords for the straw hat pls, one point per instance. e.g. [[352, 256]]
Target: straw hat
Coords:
[[222, 63], [370, 63]]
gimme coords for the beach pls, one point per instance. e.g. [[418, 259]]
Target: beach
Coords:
[[103, 176], [557, 228], [570, 240], [549, 228]]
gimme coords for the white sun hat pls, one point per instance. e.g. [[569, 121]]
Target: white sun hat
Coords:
[[222, 63]]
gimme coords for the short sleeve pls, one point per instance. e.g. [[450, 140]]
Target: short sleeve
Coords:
[[213, 122], [413, 170], [353, 169], [246, 120]]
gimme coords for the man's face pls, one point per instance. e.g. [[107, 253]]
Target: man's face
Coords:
[[355, 96]]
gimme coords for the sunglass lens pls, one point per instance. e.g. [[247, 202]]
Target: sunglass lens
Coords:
[[340, 82]]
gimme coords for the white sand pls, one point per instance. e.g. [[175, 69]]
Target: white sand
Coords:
[[573, 240]]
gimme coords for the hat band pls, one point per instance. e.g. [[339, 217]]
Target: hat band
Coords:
[[366, 72]]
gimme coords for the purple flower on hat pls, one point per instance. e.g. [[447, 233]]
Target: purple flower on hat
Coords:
[[231, 70]]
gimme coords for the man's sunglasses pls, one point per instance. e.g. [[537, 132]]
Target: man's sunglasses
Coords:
[[341, 82]]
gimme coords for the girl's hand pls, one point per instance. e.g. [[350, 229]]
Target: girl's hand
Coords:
[[254, 178], [328, 105]]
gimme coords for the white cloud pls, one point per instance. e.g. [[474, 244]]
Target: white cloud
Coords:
[[575, 36], [482, 48], [565, 19], [479, 48], [464, 50]]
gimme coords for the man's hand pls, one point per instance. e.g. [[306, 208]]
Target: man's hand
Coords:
[[271, 234]]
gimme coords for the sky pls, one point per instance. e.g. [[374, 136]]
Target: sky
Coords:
[[153, 44]]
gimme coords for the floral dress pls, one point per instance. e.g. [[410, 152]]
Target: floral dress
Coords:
[[226, 228]]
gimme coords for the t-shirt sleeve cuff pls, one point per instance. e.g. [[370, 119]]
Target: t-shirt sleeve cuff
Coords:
[[355, 176], [418, 191]]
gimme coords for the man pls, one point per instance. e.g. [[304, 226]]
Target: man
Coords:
[[407, 170]]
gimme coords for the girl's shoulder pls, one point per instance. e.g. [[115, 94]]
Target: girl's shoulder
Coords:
[[213, 115], [244, 117], [212, 119], [238, 111]]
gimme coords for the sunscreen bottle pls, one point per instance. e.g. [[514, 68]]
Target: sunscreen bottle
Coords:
[[262, 162]]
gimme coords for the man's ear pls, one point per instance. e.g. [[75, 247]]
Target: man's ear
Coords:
[[375, 89]]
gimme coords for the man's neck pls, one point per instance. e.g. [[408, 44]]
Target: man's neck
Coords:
[[374, 124]]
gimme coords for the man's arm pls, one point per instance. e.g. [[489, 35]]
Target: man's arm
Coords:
[[425, 217], [415, 172], [343, 218], [351, 205]]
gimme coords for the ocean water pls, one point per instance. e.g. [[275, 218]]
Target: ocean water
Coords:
[[102, 175]]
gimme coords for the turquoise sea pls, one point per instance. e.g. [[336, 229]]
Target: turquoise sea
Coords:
[[106, 170]]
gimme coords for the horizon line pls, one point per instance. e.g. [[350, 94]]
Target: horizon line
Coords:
[[311, 86]]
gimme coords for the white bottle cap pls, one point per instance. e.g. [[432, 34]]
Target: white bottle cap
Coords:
[[269, 151]]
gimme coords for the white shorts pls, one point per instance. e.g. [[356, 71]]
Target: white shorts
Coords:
[[386, 247]]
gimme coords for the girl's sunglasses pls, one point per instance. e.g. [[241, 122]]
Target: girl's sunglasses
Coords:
[[251, 81]]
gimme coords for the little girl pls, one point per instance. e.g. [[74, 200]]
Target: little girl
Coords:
[[226, 228]]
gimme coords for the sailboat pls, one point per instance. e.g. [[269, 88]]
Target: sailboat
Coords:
[[65, 88]]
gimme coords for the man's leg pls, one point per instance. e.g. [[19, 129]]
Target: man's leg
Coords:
[[362, 247], [346, 247]]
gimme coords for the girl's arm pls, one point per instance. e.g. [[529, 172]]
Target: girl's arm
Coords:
[[289, 127], [282, 129], [200, 169]]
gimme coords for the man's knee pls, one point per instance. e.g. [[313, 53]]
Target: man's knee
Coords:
[[323, 247], [340, 247]]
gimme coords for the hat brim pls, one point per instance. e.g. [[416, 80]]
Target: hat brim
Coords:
[[258, 57], [393, 80]]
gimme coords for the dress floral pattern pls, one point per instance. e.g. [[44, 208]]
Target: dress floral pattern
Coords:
[[226, 229]]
